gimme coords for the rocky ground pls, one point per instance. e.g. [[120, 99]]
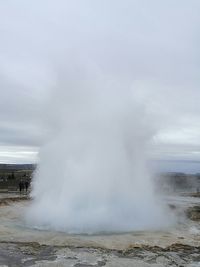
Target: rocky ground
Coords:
[[21, 246], [34, 254]]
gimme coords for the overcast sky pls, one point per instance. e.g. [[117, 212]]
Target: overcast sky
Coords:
[[153, 46]]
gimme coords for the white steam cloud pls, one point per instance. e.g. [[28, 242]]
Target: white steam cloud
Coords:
[[92, 176]]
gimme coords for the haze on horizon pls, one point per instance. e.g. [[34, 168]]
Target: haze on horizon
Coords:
[[151, 46]]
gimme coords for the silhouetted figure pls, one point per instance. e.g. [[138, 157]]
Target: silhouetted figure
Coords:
[[26, 185], [21, 186]]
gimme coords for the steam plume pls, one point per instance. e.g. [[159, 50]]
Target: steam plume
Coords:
[[92, 176]]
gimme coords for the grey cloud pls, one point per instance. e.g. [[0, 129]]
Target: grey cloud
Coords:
[[19, 115]]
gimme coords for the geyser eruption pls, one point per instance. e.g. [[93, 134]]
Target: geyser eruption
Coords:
[[92, 175]]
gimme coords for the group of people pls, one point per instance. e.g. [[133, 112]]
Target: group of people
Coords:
[[23, 186]]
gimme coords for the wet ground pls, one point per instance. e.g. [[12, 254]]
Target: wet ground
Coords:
[[20, 245]]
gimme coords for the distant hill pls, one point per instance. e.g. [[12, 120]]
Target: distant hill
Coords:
[[16, 167]]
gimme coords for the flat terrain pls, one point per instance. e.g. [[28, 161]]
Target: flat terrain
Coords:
[[22, 245]]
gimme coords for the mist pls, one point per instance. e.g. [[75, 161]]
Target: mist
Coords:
[[92, 175], [105, 77]]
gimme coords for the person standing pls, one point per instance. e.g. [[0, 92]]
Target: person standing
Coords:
[[21, 186], [26, 185]]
